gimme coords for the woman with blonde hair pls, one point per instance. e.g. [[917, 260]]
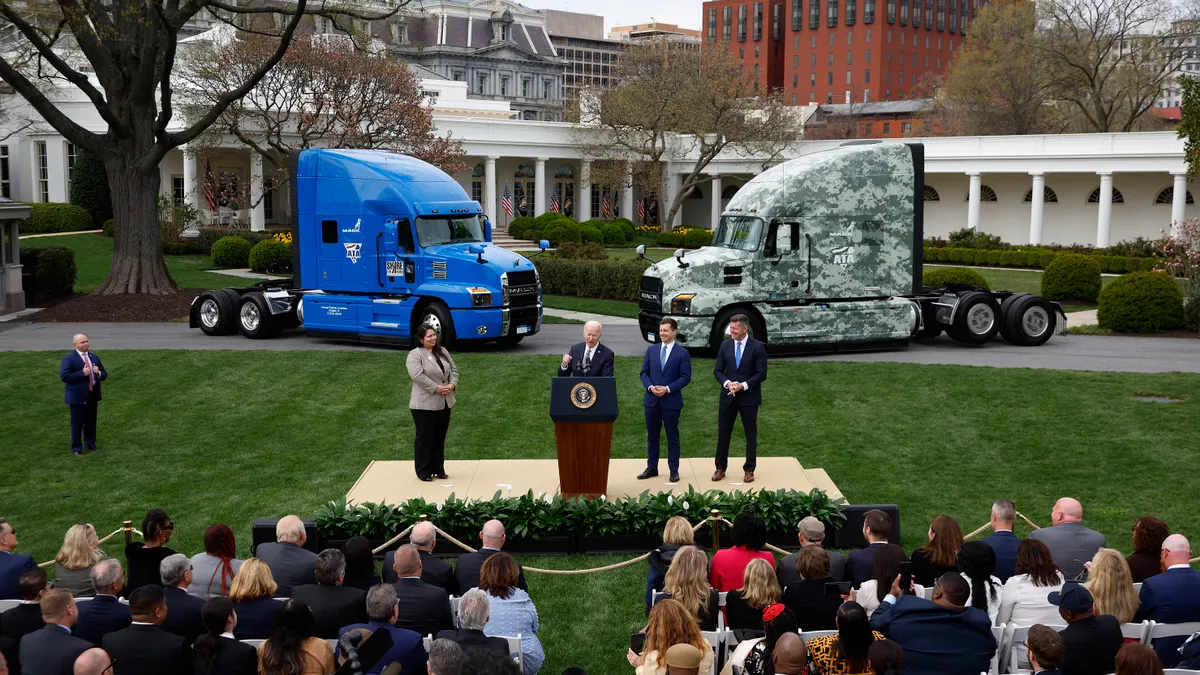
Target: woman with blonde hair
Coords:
[[1111, 585], [687, 582], [670, 624], [744, 607], [676, 534], [253, 596], [73, 565]]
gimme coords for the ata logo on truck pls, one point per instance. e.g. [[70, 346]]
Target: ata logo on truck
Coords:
[[842, 255], [353, 251]]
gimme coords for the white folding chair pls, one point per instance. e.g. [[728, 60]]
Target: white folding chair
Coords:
[[85, 599], [998, 634], [1179, 671], [655, 596], [1137, 631], [454, 609], [1013, 638], [514, 647], [254, 643], [810, 634], [927, 592], [428, 640], [723, 596], [6, 605], [333, 644], [1138, 587], [715, 638], [1162, 630]]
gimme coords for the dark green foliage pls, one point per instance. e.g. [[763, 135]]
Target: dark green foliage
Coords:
[[561, 230], [1072, 276], [1191, 314], [1141, 302], [108, 227], [546, 218], [48, 217], [183, 248], [521, 227], [56, 271], [270, 255], [209, 236], [585, 251], [627, 227], [968, 238], [938, 277], [669, 239], [231, 251], [615, 279], [591, 235], [613, 235], [1189, 124], [696, 238], [89, 187]]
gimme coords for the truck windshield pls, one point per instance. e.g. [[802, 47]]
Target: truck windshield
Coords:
[[740, 232], [437, 231]]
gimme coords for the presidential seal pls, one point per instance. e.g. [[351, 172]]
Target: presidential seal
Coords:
[[583, 395]]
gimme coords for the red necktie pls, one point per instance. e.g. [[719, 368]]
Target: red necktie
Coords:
[[91, 378]]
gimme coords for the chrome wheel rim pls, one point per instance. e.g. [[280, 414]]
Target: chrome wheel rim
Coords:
[[1035, 321], [210, 313], [980, 319], [433, 322], [250, 316]]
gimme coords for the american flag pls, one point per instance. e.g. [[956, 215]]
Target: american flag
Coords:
[[209, 181], [506, 201], [606, 207], [554, 202], [641, 209]]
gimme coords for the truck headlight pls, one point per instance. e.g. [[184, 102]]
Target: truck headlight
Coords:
[[682, 304], [480, 297], [504, 289]]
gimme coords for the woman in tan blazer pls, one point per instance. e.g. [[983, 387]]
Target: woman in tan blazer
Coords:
[[434, 379]]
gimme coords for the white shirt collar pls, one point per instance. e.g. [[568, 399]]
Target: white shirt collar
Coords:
[[141, 623], [228, 635], [1180, 566], [668, 346], [81, 354]]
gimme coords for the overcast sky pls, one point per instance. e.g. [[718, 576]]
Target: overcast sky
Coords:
[[684, 13]]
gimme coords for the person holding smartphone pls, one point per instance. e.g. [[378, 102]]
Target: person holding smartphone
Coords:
[[670, 624], [890, 563]]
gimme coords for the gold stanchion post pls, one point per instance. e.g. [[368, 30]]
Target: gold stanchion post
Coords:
[[716, 529], [128, 525]]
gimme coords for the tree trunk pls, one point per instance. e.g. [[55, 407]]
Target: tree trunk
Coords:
[[138, 265]]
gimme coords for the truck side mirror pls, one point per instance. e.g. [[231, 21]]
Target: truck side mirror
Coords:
[[487, 229]]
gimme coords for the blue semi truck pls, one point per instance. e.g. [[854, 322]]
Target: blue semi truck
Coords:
[[383, 243]]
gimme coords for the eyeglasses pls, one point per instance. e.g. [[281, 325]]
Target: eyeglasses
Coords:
[[169, 526], [110, 667]]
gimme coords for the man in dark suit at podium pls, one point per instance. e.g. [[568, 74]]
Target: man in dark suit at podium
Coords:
[[666, 370], [741, 369], [588, 358]]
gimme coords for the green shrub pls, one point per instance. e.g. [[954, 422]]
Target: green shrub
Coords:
[[1134, 248], [615, 279], [231, 251], [627, 227], [955, 255], [1033, 259], [992, 258], [591, 235], [1191, 313], [521, 227], [1147, 264], [1012, 259], [270, 255], [597, 223], [562, 230], [210, 235], [696, 238], [669, 239], [584, 251], [1072, 276], [183, 248], [1141, 302], [613, 235], [108, 227], [970, 256], [89, 187], [968, 238], [48, 217], [56, 271], [540, 222], [938, 277], [1046, 260]]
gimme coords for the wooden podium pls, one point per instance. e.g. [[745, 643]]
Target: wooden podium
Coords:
[[583, 410]]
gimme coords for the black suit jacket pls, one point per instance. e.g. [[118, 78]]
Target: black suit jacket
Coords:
[[423, 607], [290, 565], [147, 650], [51, 651], [183, 614], [235, 658], [474, 638], [861, 564], [434, 571], [15, 624], [601, 365], [752, 371], [255, 618], [1091, 645], [100, 616], [469, 565], [813, 609], [333, 606]]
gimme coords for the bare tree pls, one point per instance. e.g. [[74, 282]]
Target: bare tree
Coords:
[[130, 48]]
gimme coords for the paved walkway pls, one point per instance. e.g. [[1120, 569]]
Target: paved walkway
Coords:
[[584, 316], [246, 273]]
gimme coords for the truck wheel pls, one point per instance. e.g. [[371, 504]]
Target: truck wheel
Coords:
[[977, 318], [1031, 321], [1006, 309], [216, 313], [438, 316], [932, 328], [254, 317], [720, 329]]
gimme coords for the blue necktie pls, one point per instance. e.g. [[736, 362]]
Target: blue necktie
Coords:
[[737, 354], [663, 358]]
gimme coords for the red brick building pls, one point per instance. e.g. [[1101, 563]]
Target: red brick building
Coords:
[[840, 51]]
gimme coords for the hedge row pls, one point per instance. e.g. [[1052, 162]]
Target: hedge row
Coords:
[[51, 269], [611, 279], [1141, 302], [685, 237], [48, 217], [559, 229], [968, 238], [1033, 258]]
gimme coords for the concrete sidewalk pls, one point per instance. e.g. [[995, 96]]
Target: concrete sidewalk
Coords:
[[584, 316]]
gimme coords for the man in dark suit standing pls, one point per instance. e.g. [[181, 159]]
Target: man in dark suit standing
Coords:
[[877, 527], [666, 370], [1171, 597], [333, 605], [103, 614], [1003, 541], [52, 650], [82, 373], [423, 607], [291, 564], [741, 369], [25, 618], [12, 565], [145, 648], [467, 570], [588, 358], [183, 609], [434, 570]]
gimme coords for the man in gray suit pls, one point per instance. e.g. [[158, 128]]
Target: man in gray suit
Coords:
[[812, 533], [1070, 543], [291, 564]]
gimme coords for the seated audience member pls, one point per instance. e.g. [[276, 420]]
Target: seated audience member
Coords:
[[1044, 649], [103, 614], [877, 528], [360, 564], [939, 637], [469, 566], [52, 649], [434, 570], [144, 648], [408, 648], [1023, 598], [1111, 585], [683, 659], [1002, 540], [811, 532], [806, 597], [846, 652], [687, 582], [1070, 543], [73, 564], [886, 657], [512, 610], [976, 562], [749, 541], [744, 607], [294, 648], [872, 592], [26, 617], [12, 565], [333, 605], [790, 656], [754, 656], [1171, 597], [1138, 659], [253, 596], [474, 611], [291, 564], [217, 651], [481, 661], [670, 624], [1149, 533], [214, 569], [143, 557], [1090, 641], [424, 608], [677, 533], [94, 661], [446, 657], [183, 610], [938, 556]]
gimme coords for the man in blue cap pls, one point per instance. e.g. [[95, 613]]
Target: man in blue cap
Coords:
[[1091, 642]]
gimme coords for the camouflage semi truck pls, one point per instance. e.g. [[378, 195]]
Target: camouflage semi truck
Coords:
[[824, 253]]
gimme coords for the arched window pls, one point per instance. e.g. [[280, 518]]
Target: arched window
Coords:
[[696, 194], [729, 191], [1167, 196], [931, 195], [523, 171], [479, 171], [1117, 198], [564, 171], [1048, 195], [986, 194]]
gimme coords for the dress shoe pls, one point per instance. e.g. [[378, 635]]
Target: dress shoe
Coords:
[[426, 479], [441, 476], [674, 477], [718, 475], [648, 473], [749, 477], [92, 448], [77, 453]]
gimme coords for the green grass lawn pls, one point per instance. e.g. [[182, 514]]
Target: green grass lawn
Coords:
[[257, 434], [546, 318], [622, 308]]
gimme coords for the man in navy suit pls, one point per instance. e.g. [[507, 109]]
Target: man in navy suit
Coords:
[[104, 613], [860, 564], [666, 370], [408, 648], [82, 373], [1003, 541], [588, 358], [741, 369], [1171, 597], [939, 637], [12, 565], [52, 650]]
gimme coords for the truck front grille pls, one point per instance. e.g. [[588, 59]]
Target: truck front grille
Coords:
[[650, 294], [522, 289]]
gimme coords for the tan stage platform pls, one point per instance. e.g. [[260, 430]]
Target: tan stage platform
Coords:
[[395, 481]]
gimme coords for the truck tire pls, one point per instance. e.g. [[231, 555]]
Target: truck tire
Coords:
[[720, 328], [437, 315], [1030, 321], [932, 328], [1006, 309], [254, 317], [216, 313], [976, 319]]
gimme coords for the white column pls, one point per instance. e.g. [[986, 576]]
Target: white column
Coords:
[[973, 202], [584, 201], [258, 214], [716, 203], [1104, 216], [627, 193], [1178, 201], [1035, 212], [539, 190], [190, 194], [673, 188], [489, 185]]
